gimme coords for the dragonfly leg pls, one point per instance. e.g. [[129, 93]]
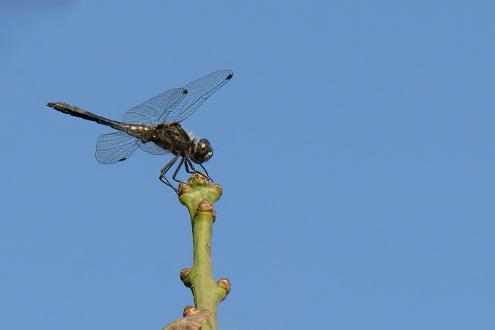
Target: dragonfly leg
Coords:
[[207, 175], [164, 170], [196, 171], [177, 170], [165, 180], [187, 167]]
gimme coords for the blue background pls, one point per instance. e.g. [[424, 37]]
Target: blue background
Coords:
[[355, 146]]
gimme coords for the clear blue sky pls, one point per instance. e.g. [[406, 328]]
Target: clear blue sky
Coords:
[[355, 146]]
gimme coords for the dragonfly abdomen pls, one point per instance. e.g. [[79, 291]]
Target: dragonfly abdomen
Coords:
[[80, 113], [142, 132]]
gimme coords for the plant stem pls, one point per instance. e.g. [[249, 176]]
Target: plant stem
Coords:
[[199, 195]]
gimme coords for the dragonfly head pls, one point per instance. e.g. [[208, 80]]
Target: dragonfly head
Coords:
[[202, 151]]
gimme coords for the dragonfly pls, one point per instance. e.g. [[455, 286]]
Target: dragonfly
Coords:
[[154, 126]]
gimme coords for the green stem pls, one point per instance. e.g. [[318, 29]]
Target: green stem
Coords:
[[198, 195]]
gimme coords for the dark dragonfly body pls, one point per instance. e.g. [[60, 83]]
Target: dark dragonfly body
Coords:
[[171, 137], [154, 126]]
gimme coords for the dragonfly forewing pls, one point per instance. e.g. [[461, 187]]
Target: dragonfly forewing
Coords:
[[150, 111], [198, 92]]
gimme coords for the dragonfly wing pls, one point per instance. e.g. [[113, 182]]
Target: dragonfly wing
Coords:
[[197, 93], [152, 148], [115, 147], [151, 110]]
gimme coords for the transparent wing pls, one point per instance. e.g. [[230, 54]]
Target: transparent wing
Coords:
[[151, 110], [115, 147], [152, 148], [197, 93]]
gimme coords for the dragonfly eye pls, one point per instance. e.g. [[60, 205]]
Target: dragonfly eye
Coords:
[[208, 155], [202, 151]]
